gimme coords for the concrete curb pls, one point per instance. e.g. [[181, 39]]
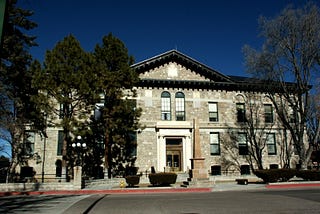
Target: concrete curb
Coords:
[[285, 185], [292, 185], [112, 191]]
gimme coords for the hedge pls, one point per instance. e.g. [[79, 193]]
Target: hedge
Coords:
[[275, 175], [162, 178], [309, 175]]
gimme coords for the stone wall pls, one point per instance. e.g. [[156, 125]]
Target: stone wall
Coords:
[[196, 106], [26, 187]]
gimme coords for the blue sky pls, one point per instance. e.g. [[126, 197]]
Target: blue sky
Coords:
[[211, 32]]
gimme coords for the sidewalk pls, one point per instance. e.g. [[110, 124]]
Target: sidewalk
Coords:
[[218, 187]]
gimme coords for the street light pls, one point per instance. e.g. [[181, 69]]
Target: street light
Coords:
[[78, 146]]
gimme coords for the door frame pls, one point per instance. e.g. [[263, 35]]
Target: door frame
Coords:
[[174, 146], [185, 135]]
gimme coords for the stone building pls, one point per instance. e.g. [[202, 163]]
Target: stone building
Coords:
[[176, 92], [194, 117]]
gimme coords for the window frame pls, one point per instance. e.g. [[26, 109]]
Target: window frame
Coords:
[[29, 141], [165, 106], [216, 170], [180, 106], [272, 144], [245, 170], [214, 118], [243, 146], [241, 112], [216, 143], [268, 116], [60, 142]]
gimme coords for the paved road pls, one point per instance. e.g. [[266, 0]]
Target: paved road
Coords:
[[253, 201], [48, 204], [306, 201]]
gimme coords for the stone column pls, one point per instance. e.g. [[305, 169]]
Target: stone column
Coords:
[[77, 177], [197, 162]]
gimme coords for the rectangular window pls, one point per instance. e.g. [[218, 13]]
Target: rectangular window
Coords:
[[180, 114], [245, 170], [132, 147], [293, 116], [268, 113], [29, 141], [61, 111], [214, 143], [98, 110], [274, 166], [99, 107], [60, 142], [242, 144], [213, 112], [271, 144], [241, 112], [216, 170]]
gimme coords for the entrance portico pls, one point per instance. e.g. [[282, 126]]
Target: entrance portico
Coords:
[[174, 146]]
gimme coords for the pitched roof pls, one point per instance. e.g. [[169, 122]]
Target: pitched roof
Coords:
[[188, 62], [217, 81]]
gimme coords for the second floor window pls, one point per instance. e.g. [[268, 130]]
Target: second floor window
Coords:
[[180, 108], [268, 113], [241, 112], [99, 107], [64, 110], [293, 115], [213, 112], [165, 106]]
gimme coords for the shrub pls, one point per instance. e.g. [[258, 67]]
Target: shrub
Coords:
[[162, 178], [275, 175], [131, 170], [132, 180], [309, 175]]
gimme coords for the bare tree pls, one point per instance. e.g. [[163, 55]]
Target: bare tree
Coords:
[[252, 133], [290, 53], [313, 119]]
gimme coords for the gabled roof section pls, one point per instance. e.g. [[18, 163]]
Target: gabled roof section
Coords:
[[188, 62]]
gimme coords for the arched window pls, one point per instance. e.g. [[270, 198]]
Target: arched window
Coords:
[[180, 109], [165, 106]]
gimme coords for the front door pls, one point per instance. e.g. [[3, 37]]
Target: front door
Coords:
[[173, 154]]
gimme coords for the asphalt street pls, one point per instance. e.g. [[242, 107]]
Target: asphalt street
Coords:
[[221, 202]]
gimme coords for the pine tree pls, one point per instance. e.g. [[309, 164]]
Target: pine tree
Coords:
[[119, 115], [66, 83], [16, 106]]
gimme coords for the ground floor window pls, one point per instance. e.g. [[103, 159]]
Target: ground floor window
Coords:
[[274, 166], [216, 170], [58, 168], [245, 170]]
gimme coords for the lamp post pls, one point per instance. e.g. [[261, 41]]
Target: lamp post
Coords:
[[78, 146]]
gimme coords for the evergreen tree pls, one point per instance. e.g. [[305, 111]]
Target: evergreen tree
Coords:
[[16, 105], [119, 113], [66, 83]]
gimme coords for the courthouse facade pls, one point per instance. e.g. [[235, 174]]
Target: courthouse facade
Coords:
[[179, 96]]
